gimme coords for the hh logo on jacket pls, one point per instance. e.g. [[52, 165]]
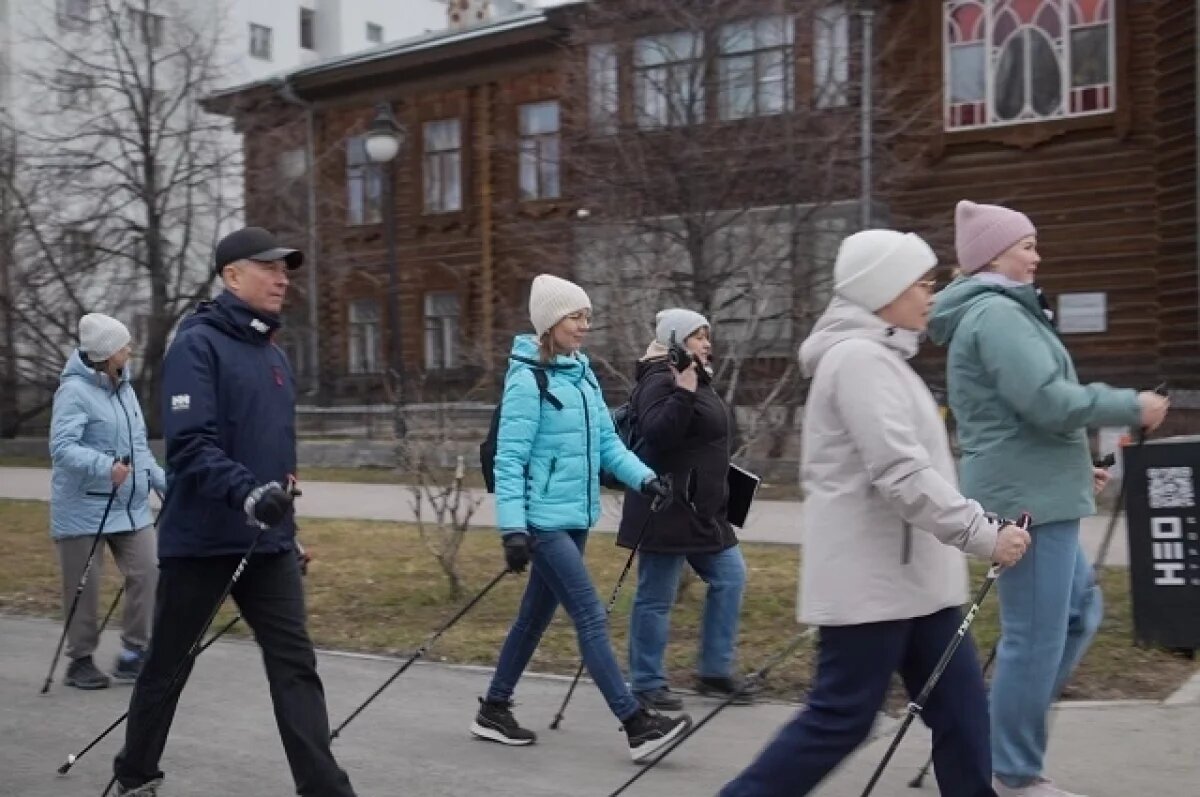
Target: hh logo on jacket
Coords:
[[181, 403]]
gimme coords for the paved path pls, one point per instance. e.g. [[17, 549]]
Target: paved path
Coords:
[[770, 521], [413, 740]]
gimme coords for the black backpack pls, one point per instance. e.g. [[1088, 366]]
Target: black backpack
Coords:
[[487, 449], [625, 422]]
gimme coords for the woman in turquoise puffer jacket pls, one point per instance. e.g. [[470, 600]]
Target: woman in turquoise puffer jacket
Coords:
[[552, 441], [1022, 420], [98, 447]]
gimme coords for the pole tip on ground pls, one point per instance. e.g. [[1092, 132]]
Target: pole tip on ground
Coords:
[[554, 725], [66, 767], [917, 782]]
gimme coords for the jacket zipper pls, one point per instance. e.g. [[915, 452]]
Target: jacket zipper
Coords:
[[132, 462], [550, 475], [587, 431]]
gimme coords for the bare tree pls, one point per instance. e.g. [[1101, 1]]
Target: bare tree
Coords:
[[121, 181], [716, 155], [452, 505]]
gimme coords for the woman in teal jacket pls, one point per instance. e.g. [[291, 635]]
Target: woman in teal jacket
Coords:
[[1022, 420], [98, 447], [555, 435]]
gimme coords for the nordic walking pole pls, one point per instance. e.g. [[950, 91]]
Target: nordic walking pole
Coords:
[[420, 651], [82, 583], [655, 506], [751, 681], [194, 651], [71, 759], [917, 705]]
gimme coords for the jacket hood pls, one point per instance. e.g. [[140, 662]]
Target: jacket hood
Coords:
[[954, 301], [650, 365], [524, 355], [235, 318], [844, 320], [77, 368]]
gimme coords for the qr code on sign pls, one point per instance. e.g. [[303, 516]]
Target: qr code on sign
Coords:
[[1171, 488]]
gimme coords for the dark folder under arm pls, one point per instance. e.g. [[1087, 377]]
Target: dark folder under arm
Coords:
[[742, 486]]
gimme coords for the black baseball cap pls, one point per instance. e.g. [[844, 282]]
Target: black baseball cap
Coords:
[[255, 243]]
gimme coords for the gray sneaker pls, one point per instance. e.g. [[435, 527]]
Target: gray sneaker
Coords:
[[82, 674], [145, 790]]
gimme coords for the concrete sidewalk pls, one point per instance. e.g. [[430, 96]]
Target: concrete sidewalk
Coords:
[[413, 740], [770, 521]]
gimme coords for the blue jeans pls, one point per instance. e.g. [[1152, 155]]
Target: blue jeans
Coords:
[[650, 622], [559, 575], [854, 669], [1050, 608]]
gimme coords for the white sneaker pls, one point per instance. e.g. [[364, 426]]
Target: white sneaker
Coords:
[[1042, 787]]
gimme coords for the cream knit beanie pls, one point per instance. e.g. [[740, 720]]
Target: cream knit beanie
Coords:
[[553, 298], [101, 336]]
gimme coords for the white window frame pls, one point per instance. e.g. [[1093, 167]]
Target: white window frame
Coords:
[[985, 107], [308, 29], [604, 101], [364, 185], [75, 90], [376, 29], [260, 41], [442, 173], [752, 48], [538, 166], [443, 314], [364, 337], [831, 57], [669, 80], [147, 26]]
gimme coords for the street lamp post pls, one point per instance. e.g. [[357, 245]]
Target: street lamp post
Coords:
[[383, 142]]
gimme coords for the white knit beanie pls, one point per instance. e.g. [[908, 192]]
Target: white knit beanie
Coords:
[[101, 336], [678, 320], [873, 267], [553, 298]]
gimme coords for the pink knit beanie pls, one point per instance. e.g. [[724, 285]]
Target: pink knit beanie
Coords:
[[983, 232]]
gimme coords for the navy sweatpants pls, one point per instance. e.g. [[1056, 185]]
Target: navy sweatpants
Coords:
[[854, 668]]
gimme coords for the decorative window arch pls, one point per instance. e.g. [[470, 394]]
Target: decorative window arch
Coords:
[[1009, 62]]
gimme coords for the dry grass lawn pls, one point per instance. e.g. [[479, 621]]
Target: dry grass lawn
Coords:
[[374, 587]]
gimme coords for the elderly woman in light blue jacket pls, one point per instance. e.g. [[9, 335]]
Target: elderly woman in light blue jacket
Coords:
[[102, 463]]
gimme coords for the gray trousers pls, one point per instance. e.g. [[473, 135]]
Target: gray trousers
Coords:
[[136, 554]]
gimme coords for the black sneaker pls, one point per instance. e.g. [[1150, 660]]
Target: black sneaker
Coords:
[[495, 722], [127, 669], [744, 691], [82, 674], [648, 732], [660, 699]]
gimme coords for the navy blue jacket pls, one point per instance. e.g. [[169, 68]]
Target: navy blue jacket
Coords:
[[229, 406]]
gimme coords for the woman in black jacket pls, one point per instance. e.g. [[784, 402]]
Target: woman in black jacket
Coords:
[[683, 428]]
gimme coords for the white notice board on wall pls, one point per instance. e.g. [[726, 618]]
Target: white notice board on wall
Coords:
[[1082, 313]]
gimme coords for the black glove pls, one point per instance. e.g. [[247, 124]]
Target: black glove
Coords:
[[516, 551], [267, 505], [657, 490]]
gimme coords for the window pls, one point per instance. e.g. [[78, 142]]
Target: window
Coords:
[[441, 330], [757, 67], [77, 247], [74, 14], [146, 26], [443, 166], [603, 105], [669, 80], [260, 42], [538, 173], [364, 184], [292, 165], [364, 337], [374, 33], [831, 57], [1016, 61], [74, 89], [308, 29]]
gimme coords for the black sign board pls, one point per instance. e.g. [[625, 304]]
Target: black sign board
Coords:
[[1163, 522]]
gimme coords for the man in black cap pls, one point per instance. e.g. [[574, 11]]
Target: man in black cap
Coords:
[[228, 417]]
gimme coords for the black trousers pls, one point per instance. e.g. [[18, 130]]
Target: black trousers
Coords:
[[270, 596]]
